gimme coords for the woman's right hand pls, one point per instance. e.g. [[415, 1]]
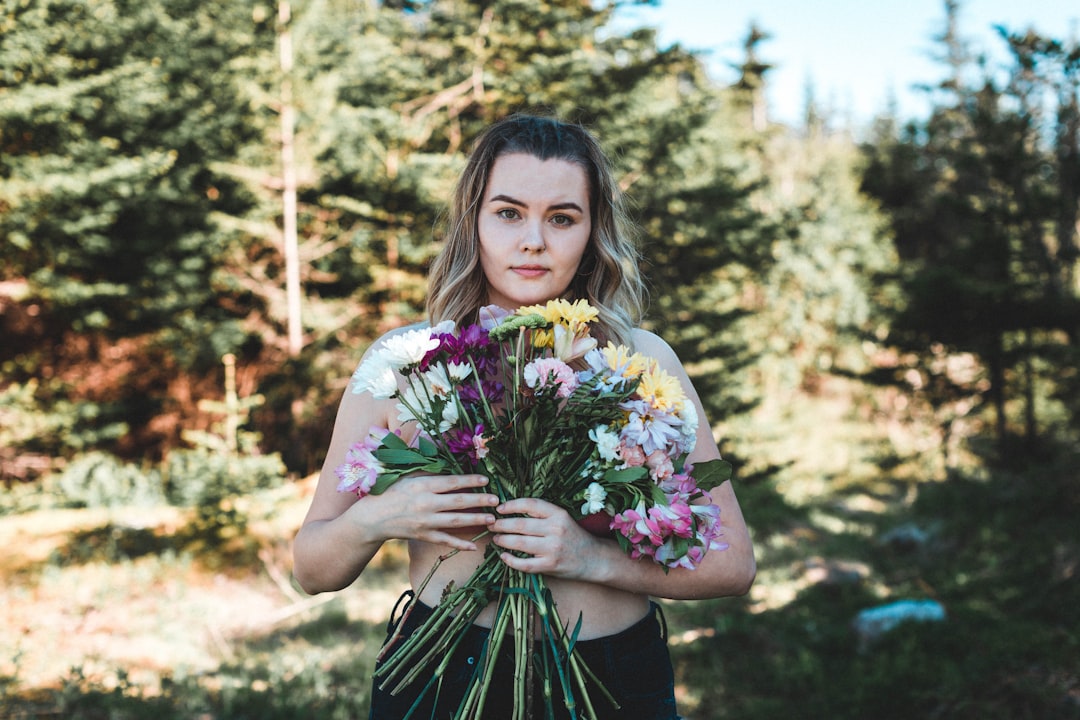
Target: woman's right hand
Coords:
[[429, 508]]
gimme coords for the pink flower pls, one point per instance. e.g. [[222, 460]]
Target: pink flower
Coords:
[[360, 470], [690, 560], [660, 467], [674, 519], [630, 523], [709, 528], [682, 483], [549, 372], [632, 455], [480, 445]]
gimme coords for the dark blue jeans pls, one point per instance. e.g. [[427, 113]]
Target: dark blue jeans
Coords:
[[634, 666]]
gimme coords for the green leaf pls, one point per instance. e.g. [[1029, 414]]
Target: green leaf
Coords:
[[395, 457], [427, 448], [625, 475], [394, 442], [385, 480], [711, 473]]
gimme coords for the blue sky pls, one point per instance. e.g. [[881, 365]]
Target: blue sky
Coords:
[[855, 53]]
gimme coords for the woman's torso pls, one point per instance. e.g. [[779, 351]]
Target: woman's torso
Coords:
[[603, 610]]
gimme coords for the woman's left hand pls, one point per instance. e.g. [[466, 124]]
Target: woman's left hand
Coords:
[[555, 544]]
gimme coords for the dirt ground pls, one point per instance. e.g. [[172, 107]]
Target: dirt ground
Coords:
[[70, 598]]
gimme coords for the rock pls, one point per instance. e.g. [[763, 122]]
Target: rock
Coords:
[[818, 570], [872, 623], [905, 537]]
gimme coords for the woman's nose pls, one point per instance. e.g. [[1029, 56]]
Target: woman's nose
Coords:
[[533, 237]]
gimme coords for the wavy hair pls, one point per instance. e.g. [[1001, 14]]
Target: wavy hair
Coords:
[[608, 276]]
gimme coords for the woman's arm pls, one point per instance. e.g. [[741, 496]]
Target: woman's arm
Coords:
[[340, 533], [561, 548]]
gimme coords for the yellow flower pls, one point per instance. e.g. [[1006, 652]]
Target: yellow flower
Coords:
[[574, 316], [661, 390], [623, 362]]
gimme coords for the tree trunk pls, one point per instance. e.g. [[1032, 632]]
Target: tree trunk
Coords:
[[288, 177]]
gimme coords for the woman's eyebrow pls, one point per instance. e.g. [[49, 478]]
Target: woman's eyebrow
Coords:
[[507, 199], [519, 203]]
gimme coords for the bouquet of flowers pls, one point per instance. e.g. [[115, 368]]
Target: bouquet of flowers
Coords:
[[529, 400]]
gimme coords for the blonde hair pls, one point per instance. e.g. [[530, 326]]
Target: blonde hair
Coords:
[[608, 276]]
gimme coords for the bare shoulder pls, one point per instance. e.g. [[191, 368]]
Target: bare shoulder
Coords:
[[403, 330], [654, 346], [651, 344]]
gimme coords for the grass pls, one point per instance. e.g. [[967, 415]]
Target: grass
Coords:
[[136, 613]]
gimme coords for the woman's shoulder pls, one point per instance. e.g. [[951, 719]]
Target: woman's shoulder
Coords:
[[652, 345], [422, 325], [389, 335], [398, 332], [649, 343]]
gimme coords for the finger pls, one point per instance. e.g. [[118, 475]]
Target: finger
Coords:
[[452, 483], [458, 543], [518, 526], [523, 506], [524, 564], [462, 520], [463, 501]]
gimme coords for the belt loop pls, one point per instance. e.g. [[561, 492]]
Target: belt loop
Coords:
[[405, 597], [659, 611]]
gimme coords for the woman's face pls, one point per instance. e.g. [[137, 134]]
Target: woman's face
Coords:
[[534, 226]]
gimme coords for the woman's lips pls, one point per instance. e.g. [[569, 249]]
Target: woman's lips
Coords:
[[529, 271]]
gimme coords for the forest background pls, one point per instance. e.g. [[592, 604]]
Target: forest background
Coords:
[[208, 210]]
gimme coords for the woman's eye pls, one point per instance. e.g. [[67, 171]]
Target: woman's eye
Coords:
[[562, 220], [508, 214]]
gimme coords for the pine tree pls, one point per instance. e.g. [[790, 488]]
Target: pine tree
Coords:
[[112, 115], [979, 217]]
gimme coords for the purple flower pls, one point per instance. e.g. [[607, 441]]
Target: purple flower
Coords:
[[467, 444], [470, 394], [651, 429], [472, 343]]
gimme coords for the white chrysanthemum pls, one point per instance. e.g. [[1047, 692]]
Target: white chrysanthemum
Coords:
[[595, 496], [408, 348], [607, 442], [689, 427], [413, 406], [441, 379], [459, 371], [376, 377], [437, 381], [449, 417]]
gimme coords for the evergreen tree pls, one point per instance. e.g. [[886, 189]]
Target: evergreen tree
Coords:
[[978, 213], [112, 114]]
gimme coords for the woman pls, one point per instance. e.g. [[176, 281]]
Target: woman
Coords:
[[536, 216]]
